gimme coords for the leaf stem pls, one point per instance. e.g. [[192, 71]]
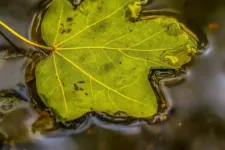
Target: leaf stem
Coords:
[[23, 38]]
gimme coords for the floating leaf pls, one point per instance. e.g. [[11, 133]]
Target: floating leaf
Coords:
[[101, 59]]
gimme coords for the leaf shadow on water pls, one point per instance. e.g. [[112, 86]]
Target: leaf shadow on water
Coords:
[[198, 118]]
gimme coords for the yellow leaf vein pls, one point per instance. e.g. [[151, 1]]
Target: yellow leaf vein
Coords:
[[60, 83], [147, 38], [114, 64], [57, 33], [124, 35], [89, 26], [145, 60], [114, 104], [45, 63], [99, 82], [117, 48]]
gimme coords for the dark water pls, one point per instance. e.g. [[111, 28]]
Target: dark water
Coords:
[[198, 117]]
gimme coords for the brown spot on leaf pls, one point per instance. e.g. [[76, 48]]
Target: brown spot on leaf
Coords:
[[76, 88], [69, 19], [99, 8], [69, 30], [108, 66], [63, 31], [81, 81], [171, 30]]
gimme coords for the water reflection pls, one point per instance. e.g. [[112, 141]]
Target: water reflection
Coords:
[[198, 119], [15, 125], [198, 130]]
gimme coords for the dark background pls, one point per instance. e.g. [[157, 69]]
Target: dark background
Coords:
[[198, 118]]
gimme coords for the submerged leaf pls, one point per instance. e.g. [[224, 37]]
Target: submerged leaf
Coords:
[[102, 59]]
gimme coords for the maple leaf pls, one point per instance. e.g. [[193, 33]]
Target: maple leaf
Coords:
[[101, 59]]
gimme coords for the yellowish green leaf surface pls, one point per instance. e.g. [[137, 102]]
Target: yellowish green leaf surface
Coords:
[[101, 59]]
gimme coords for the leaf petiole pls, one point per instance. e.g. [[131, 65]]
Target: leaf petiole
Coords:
[[23, 38]]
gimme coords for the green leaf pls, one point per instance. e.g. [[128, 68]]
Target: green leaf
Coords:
[[102, 59]]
